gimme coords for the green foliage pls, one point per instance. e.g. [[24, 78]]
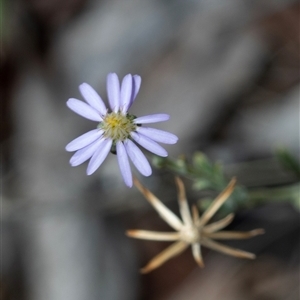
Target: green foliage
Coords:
[[209, 178], [288, 161], [206, 176]]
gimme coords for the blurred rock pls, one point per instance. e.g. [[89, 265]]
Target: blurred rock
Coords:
[[265, 278], [265, 127], [70, 254]]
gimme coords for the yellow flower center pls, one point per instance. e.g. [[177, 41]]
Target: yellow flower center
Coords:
[[117, 126]]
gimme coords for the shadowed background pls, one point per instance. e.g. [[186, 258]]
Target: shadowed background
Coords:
[[228, 74]]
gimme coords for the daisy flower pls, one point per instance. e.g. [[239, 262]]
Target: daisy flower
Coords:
[[117, 130]]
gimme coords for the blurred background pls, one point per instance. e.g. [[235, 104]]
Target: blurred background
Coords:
[[227, 71]]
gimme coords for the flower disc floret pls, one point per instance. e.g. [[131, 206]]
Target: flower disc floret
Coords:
[[117, 130], [117, 126]]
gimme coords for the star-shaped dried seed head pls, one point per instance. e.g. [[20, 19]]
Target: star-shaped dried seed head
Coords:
[[191, 229]]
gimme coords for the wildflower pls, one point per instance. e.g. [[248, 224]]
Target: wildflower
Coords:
[[192, 229], [117, 129]]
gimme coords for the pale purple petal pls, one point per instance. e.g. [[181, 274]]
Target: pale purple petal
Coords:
[[83, 110], [85, 153], [84, 140], [113, 91], [151, 119], [99, 156], [92, 98], [158, 135], [136, 84], [149, 144], [138, 158], [124, 164], [126, 90], [137, 80]]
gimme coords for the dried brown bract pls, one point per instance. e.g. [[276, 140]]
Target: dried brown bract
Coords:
[[192, 229]]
